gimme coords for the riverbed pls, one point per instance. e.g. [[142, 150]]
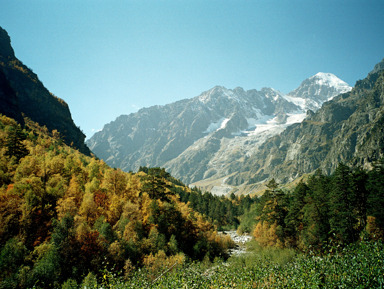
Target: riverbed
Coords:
[[240, 241]]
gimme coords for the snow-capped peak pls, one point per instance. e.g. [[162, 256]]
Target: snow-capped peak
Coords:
[[331, 80], [215, 91], [317, 89], [272, 93]]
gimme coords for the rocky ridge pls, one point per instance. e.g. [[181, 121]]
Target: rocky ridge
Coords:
[[348, 129], [209, 137], [23, 94]]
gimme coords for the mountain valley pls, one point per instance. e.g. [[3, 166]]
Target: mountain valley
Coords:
[[300, 174], [206, 140]]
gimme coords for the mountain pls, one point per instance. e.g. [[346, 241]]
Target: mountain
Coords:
[[210, 136], [348, 129], [156, 135], [23, 94], [316, 90]]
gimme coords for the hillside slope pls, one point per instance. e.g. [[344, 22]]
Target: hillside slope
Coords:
[[64, 215], [23, 94], [349, 129]]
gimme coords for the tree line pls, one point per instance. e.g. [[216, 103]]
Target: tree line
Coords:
[[224, 212], [343, 208]]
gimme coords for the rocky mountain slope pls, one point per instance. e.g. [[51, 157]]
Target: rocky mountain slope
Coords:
[[23, 94], [156, 135], [209, 137], [348, 129]]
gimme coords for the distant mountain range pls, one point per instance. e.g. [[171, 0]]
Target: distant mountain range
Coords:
[[212, 140], [23, 95]]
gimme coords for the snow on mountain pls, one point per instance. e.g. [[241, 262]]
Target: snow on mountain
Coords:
[[215, 126], [208, 137], [331, 80], [314, 91]]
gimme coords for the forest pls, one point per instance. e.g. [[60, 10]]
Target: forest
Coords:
[[68, 220], [66, 216], [343, 207]]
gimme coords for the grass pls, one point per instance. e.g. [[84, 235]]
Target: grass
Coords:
[[356, 266]]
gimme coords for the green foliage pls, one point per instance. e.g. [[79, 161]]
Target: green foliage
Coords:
[[45, 270], [358, 265], [342, 207], [90, 281], [14, 142], [69, 284], [224, 212], [248, 220], [11, 257], [375, 199], [342, 203]]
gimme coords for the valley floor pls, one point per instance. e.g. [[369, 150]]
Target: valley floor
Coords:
[[359, 265]]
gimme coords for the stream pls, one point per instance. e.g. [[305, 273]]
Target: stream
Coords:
[[240, 241]]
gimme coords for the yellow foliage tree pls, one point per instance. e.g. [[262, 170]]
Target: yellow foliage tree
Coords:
[[115, 181], [160, 263], [116, 205], [66, 206], [129, 232], [131, 211], [88, 208], [70, 202], [265, 234], [74, 190], [82, 228], [133, 187]]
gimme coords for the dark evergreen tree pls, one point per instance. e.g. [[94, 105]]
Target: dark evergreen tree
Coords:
[[14, 143], [316, 227], [359, 188], [342, 200], [375, 200], [156, 187], [295, 216]]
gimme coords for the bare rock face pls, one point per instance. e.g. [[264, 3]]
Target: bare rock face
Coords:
[[211, 136], [9, 104], [378, 67], [348, 129], [6, 50], [21, 92]]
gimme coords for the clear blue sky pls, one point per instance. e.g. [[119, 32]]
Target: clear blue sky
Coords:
[[107, 58]]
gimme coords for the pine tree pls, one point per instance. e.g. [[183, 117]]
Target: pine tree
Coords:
[[342, 200], [375, 200], [295, 216], [14, 143]]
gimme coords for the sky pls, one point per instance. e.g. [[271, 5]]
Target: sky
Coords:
[[107, 58]]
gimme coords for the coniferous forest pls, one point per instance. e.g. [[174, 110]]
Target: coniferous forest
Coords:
[[343, 208]]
